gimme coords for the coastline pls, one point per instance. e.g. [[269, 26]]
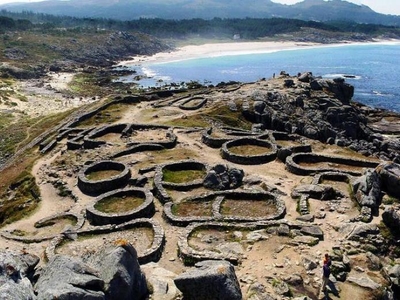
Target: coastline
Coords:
[[234, 48]]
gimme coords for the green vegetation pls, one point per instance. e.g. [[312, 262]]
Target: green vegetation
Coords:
[[109, 115], [16, 135], [118, 204], [249, 150], [225, 116], [182, 176], [70, 220], [100, 175], [248, 28], [23, 197]]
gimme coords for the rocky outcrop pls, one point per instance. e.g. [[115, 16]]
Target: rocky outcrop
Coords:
[[69, 278], [119, 269], [391, 218], [367, 189], [210, 280], [222, 177], [390, 177], [111, 273], [16, 270], [318, 109], [161, 281], [394, 276]]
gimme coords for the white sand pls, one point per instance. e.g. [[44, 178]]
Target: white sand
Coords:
[[225, 49], [215, 50]]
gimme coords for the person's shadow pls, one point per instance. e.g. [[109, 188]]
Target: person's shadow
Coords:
[[333, 289]]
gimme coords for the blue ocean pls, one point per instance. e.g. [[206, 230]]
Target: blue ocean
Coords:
[[373, 69]]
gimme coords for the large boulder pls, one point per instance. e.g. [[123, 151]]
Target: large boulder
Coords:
[[210, 280], [161, 281], [390, 177], [391, 218], [394, 275], [113, 272], [221, 177], [367, 189], [120, 270], [342, 90], [15, 274], [69, 278]]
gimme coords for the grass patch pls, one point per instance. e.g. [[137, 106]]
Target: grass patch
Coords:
[[111, 114], [189, 121], [248, 208], [88, 84], [224, 115], [246, 150], [192, 209], [100, 175], [119, 204], [22, 198], [14, 136], [182, 176], [61, 221]]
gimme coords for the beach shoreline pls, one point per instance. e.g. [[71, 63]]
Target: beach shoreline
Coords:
[[234, 48]]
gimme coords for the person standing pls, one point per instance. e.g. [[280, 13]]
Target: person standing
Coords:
[[326, 272]]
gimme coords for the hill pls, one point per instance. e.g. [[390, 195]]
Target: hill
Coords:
[[317, 10]]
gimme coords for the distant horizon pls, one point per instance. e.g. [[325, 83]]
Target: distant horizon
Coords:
[[389, 7]]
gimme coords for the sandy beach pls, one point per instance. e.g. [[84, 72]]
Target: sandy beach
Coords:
[[232, 48], [217, 49]]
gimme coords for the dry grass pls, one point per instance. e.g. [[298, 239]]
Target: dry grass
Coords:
[[101, 175], [182, 176], [248, 208], [119, 204], [193, 209], [247, 150]]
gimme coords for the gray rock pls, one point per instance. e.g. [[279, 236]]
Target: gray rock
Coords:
[[362, 230], [233, 248], [210, 280], [257, 291], [313, 230], [120, 270], [306, 218], [161, 281], [221, 177], [316, 191], [305, 77], [364, 282], [15, 274], [259, 106], [367, 189], [390, 177], [309, 263], [391, 218], [281, 288], [374, 263], [69, 278], [394, 275], [283, 230], [309, 240]]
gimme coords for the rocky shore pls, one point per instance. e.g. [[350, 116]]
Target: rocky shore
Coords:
[[233, 191]]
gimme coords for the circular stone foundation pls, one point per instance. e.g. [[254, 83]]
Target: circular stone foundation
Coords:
[[249, 151], [311, 163], [47, 228], [120, 206], [146, 235], [103, 176]]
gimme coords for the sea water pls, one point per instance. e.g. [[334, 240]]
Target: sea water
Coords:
[[373, 69]]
